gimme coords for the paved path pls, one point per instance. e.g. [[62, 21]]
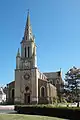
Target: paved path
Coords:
[[7, 109]]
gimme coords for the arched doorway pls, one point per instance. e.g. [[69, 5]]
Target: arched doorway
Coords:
[[27, 95]]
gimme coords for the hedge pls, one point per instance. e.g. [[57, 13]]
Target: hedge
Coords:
[[48, 110]]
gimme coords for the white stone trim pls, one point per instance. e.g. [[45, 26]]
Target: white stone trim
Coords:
[[35, 99]]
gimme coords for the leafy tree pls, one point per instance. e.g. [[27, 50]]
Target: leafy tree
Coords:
[[72, 86]]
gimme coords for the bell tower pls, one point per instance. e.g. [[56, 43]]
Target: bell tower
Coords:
[[28, 46], [26, 68]]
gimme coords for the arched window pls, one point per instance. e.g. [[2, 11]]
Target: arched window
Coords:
[[25, 51], [27, 88], [28, 52], [42, 91]]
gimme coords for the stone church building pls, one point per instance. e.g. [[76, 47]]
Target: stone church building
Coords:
[[30, 85]]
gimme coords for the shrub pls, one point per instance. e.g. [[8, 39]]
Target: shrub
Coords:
[[54, 100], [49, 110]]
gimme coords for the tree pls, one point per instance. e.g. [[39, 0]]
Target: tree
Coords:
[[72, 86]]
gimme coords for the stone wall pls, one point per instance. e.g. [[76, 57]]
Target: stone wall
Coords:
[[10, 92]]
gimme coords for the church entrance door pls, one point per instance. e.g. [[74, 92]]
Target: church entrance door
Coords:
[[27, 98]]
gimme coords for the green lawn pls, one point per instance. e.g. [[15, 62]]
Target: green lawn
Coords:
[[25, 117]]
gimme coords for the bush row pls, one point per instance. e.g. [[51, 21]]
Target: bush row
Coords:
[[48, 110]]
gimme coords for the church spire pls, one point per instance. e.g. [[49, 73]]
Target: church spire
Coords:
[[28, 30], [28, 19]]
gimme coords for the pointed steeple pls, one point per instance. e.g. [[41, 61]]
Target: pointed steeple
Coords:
[[28, 30], [18, 53], [28, 19]]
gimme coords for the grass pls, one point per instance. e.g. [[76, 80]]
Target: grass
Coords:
[[26, 117]]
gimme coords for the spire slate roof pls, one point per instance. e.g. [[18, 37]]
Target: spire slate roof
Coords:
[[28, 30], [28, 20]]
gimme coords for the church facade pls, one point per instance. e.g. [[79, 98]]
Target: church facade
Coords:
[[30, 85]]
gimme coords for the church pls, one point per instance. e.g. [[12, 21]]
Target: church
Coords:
[[30, 86]]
